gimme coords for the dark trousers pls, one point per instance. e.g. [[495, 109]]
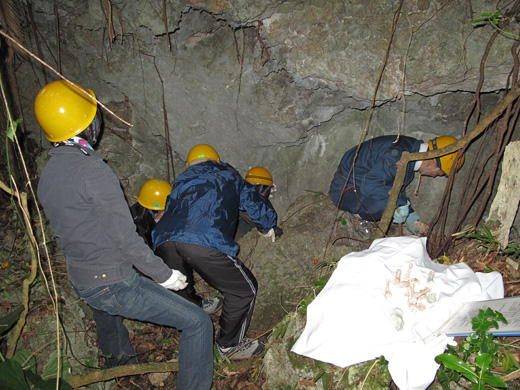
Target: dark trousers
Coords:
[[356, 202], [113, 339], [224, 273]]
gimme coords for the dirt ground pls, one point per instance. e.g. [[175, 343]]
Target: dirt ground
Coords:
[[159, 344]]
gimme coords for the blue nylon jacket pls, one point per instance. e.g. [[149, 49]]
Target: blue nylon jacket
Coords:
[[203, 208], [374, 173]]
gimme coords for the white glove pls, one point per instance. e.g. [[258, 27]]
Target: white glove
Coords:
[[270, 233], [177, 281]]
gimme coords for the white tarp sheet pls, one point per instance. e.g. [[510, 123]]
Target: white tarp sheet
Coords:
[[352, 321]]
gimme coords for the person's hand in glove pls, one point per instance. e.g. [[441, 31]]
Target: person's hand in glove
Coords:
[[401, 213], [270, 233], [176, 282], [411, 223]]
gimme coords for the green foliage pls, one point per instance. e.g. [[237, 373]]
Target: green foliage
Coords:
[[11, 130], [383, 362], [341, 220], [19, 373], [493, 18], [324, 373], [288, 387], [457, 361], [302, 307], [280, 330], [89, 362], [9, 320], [498, 21], [331, 264], [492, 245], [217, 358]]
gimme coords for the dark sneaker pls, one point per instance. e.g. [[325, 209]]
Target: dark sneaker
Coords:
[[244, 350], [362, 228], [212, 305]]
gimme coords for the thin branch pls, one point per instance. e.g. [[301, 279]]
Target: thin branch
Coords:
[[35, 253], [121, 371], [264, 47], [63, 77]]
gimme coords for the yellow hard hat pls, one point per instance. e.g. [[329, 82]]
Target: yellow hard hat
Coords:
[[201, 151], [259, 175], [445, 162], [63, 110], [153, 194]]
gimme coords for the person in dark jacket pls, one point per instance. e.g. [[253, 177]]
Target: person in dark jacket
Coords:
[[362, 188], [149, 208], [147, 211], [196, 233], [262, 180], [91, 220]]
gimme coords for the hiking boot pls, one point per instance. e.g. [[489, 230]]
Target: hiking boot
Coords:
[[246, 349], [212, 305]]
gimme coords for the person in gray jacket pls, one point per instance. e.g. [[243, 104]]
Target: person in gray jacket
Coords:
[[91, 220]]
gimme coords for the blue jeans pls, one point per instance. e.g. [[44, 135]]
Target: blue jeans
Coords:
[[141, 299], [113, 339]]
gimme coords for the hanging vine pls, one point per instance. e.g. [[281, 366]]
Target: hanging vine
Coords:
[[478, 185]]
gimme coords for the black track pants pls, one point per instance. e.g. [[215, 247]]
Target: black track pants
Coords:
[[224, 273]]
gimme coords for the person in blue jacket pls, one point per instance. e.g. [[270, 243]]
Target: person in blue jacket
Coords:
[[196, 234], [147, 211], [362, 188], [262, 180]]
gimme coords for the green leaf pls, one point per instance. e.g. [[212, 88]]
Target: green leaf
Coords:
[[11, 130], [322, 365], [6, 322], [12, 376], [383, 362], [508, 362], [454, 363], [52, 366], [494, 381], [89, 362], [483, 361], [488, 233], [318, 376], [34, 379], [50, 384], [26, 359]]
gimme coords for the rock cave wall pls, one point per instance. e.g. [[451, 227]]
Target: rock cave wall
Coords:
[[285, 84]]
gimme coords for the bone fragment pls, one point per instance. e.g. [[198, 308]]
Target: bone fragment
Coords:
[[388, 293], [422, 293], [409, 272], [412, 300], [397, 279]]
